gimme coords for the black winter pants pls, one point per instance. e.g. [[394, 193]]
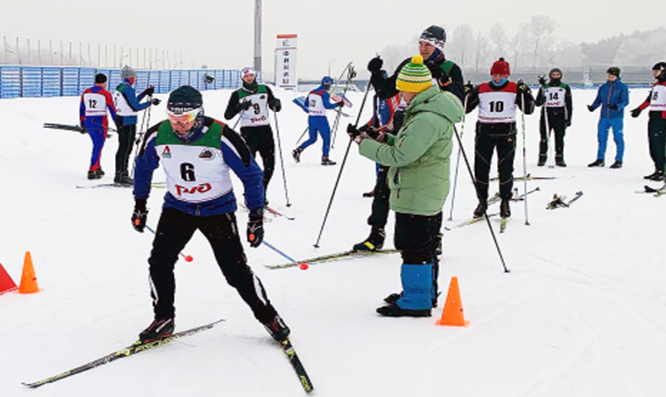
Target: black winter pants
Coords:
[[417, 238], [500, 136], [174, 230], [557, 125], [657, 140], [380, 201], [260, 139], [126, 135]]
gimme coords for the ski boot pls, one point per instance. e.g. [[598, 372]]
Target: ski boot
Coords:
[[480, 209], [326, 161], [617, 164], [505, 209], [374, 242], [123, 179], [393, 310], [277, 328], [158, 329], [596, 163], [296, 153]]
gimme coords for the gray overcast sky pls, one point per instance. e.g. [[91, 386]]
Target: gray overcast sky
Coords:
[[220, 33]]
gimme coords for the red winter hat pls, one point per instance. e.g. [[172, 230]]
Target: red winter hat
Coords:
[[500, 67]]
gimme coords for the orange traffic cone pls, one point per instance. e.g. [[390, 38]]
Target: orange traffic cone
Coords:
[[6, 282], [453, 311], [29, 279]]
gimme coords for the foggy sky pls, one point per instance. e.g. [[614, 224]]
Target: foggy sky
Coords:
[[331, 34]]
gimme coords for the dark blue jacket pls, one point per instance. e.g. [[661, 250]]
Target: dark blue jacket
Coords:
[[129, 93], [616, 93]]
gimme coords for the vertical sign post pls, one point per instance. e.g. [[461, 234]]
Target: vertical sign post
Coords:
[[285, 62]]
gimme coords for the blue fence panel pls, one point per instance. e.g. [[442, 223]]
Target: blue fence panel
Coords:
[[165, 81], [51, 81], [141, 80], [31, 79], [154, 80], [11, 81], [70, 82], [86, 78]]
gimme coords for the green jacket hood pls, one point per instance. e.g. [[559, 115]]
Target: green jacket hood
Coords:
[[446, 105]]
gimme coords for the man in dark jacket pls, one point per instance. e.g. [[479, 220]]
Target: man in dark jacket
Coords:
[[555, 96]]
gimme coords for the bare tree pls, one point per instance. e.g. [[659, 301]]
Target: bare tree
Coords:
[[462, 45], [499, 39], [539, 34]]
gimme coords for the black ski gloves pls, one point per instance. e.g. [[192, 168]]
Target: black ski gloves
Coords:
[[155, 101], [83, 128], [522, 87], [352, 131], [275, 105], [148, 91], [375, 65], [612, 106], [255, 227], [542, 80], [244, 105], [341, 103], [139, 215], [636, 112], [590, 108]]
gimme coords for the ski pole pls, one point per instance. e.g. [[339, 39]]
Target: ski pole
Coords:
[[284, 177], [485, 214], [350, 75], [550, 144], [522, 118], [455, 178], [292, 260], [240, 116], [302, 135], [188, 258], [342, 167], [145, 122]]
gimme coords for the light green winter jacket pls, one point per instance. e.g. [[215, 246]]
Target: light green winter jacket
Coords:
[[419, 154]]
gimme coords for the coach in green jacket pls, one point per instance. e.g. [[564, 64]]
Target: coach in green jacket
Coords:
[[419, 181]]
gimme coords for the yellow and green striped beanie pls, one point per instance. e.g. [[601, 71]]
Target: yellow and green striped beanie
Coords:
[[414, 77]]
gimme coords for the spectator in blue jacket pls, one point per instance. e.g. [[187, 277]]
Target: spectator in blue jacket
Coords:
[[613, 96], [128, 106], [317, 101]]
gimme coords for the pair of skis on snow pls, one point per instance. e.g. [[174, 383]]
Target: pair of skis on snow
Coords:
[[139, 347]]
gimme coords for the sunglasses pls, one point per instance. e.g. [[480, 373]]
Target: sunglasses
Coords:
[[183, 117]]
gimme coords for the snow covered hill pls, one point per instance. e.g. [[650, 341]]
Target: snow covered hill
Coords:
[[581, 313]]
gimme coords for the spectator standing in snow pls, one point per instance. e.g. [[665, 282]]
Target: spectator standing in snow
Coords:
[[253, 101], [418, 157], [95, 101], [128, 106], [613, 97], [498, 101], [555, 96], [317, 101], [656, 101], [197, 153]]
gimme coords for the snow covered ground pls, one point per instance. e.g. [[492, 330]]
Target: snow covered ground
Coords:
[[582, 312]]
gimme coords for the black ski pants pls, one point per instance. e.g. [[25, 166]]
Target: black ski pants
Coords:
[[174, 230], [380, 201], [557, 124], [126, 135], [491, 136], [657, 140], [260, 139]]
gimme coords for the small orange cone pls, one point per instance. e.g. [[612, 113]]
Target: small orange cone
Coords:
[[29, 279], [453, 311], [6, 282]]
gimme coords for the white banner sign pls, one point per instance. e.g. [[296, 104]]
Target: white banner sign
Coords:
[[285, 62]]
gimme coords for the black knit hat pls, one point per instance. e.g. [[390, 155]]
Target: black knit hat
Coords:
[[100, 78], [614, 70], [434, 35], [184, 99], [555, 70]]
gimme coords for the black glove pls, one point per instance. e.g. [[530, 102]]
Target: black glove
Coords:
[[636, 112], [148, 91], [375, 65], [370, 131], [590, 108], [352, 131], [255, 227], [542, 80], [83, 128], [155, 101], [244, 105], [567, 123], [521, 86], [139, 215], [275, 105], [467, 88], [612, 106], [341, 104]]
